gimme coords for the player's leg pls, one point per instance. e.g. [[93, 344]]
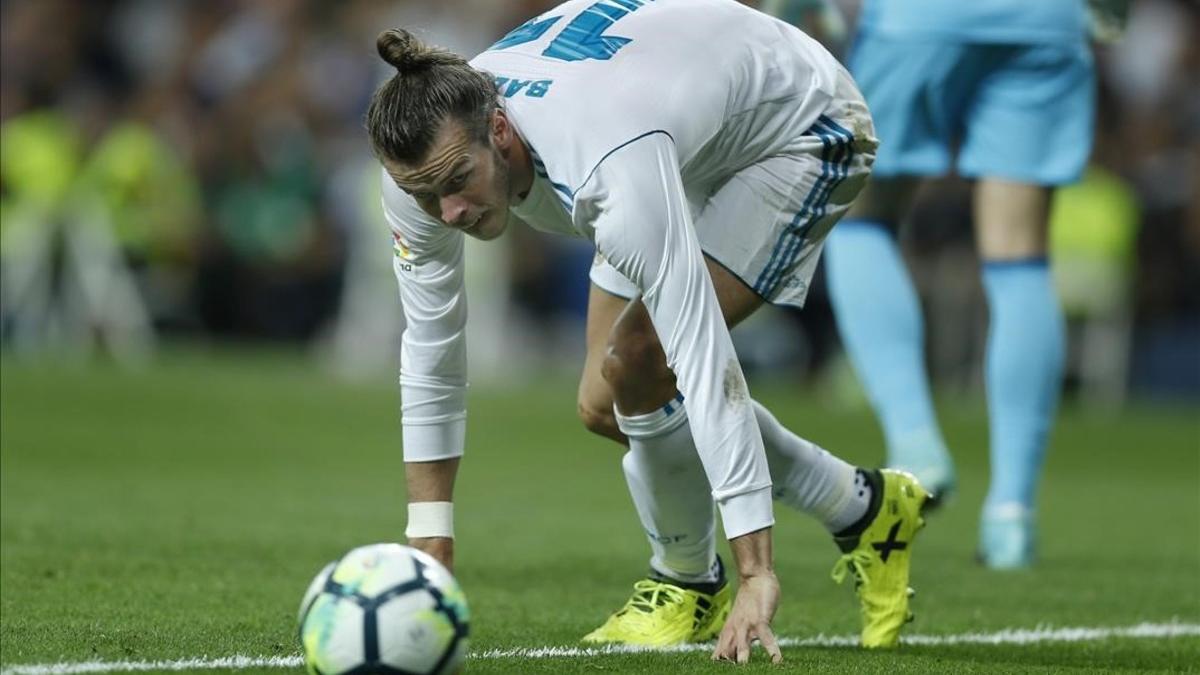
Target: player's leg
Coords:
[[879, 317], [1023, 362], [877, 547], [806, 477], [872, 515], [686, 329], [861, 508], [764, 229], [664, 474], [874, 300], [627, 366], [595, 399], [1030, 128], [609, 296], [762, 233]]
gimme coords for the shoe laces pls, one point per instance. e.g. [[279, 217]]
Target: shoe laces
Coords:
[[649, 595], [855, 562]]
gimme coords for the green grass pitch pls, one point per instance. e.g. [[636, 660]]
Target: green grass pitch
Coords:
[[180, 512]]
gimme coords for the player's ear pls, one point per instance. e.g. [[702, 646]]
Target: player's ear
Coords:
[[501, 130]]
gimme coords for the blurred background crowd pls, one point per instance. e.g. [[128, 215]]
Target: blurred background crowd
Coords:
[[182, 170]]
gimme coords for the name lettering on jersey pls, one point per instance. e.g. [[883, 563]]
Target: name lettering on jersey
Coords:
[[581, 39], [511, 86]]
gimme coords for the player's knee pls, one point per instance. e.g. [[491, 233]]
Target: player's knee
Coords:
[[629, 358], [612, 368], [598, 419], [636, 369]]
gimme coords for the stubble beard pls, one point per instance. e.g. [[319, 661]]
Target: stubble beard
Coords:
[[502, 185]]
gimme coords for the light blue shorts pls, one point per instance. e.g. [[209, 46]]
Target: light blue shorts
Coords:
[[1018, 112]]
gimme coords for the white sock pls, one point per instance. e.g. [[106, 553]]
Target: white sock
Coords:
[[809, 479], [671, 493]]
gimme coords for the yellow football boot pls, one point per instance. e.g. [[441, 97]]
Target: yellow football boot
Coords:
[[661, 614], [880, 556]]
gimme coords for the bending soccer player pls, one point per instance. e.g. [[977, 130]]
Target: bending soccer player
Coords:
[[1012, 83], [707, 165]]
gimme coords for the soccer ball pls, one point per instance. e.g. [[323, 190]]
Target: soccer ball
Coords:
[[384, 608]]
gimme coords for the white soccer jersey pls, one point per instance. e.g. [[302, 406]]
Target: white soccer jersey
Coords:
[[629, 108]]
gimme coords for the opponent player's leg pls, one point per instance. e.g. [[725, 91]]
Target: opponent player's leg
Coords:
[[874, 300], [879, 318], [1030, 126], [1024, 360]]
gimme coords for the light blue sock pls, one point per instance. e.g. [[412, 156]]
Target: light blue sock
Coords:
[[1023, 374], [879, 317]]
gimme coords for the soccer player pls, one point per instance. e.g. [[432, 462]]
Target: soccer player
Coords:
[[1009, 84], [706, 149]]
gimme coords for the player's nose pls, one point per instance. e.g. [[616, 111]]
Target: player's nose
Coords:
[[454, 209]]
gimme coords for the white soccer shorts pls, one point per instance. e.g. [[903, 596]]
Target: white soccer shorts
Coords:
[[767, 223]]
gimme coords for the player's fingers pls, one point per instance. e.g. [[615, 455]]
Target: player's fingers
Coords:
[[767, 638], [721, 653], [743, 646]]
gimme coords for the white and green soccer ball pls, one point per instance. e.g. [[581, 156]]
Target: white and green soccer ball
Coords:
[[384, 608]]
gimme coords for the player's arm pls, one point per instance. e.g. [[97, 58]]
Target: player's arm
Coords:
[[428, 263], [634, 201]]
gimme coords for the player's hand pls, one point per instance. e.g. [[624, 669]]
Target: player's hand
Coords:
[[441, 548], [753, 609]]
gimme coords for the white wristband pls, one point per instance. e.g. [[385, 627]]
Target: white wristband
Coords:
[[430, 519]]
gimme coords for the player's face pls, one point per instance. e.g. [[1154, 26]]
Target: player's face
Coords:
[[461, 182]]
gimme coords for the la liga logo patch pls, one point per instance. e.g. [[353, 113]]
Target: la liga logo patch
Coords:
[[400, 248]]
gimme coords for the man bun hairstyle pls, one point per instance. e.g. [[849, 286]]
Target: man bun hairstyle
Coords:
[[407, 54], [430, 85]]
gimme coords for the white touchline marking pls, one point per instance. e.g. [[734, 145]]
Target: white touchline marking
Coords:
[[200, 663], [1007, 636]]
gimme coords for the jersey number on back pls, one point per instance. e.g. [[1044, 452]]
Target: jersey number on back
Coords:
[[581, 39]]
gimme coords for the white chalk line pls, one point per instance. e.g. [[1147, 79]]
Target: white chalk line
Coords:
[[1007, 636]]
